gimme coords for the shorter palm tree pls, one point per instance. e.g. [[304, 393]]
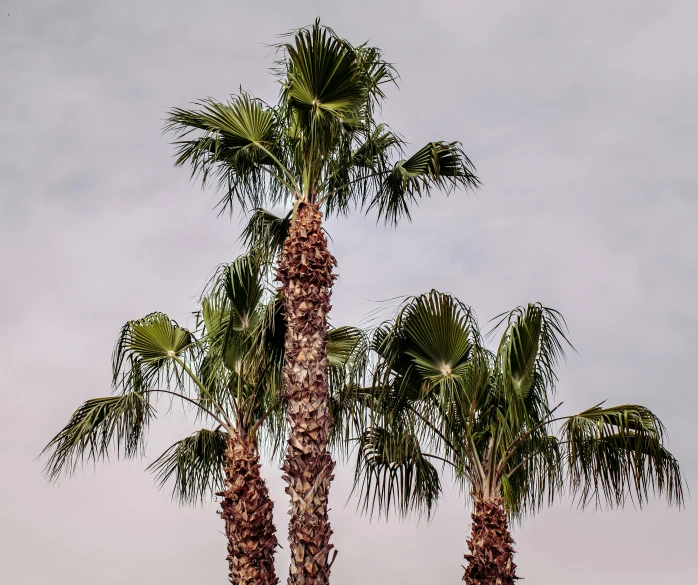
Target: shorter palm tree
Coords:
[[229, 372], [441, 399], [216, 374]]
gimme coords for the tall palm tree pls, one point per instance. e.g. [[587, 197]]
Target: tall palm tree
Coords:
[[442, 400], [320, 149], [229, 372]]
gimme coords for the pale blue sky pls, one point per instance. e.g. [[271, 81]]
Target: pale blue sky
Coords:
[[581, 120]]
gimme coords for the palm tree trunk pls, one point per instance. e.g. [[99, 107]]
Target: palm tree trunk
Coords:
[[491, 558], [247, 511], [306, 275]]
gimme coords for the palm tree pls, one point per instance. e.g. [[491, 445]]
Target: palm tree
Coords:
[[320, 149], [442, 400], [230, 374], [216, 374]]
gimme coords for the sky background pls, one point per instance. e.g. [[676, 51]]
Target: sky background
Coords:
[[581, 120]]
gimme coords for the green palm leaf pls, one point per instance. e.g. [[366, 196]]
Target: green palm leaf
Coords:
[[437, 165], [438, 335], [236, 141], [152, 340], [532, 342], [393, 473], [96, 427], [265, 233], [618, 453], [194, 465], [323, 86], [242, 282]]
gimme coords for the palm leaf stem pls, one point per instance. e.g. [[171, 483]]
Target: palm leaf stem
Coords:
[[433, 429], [322, 199], [448, 443], [494, 444], [264, 416], [227, 427], [208, 395], [281, 166], [291, 188], [512, 447], [523, 462], [474, 455], [446, 461]]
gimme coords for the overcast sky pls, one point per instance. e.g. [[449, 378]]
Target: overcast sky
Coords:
[[581, 120]]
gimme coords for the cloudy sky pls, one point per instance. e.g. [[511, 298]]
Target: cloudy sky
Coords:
[[581, 120]]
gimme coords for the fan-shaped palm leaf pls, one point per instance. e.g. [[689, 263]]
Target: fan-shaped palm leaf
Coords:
[[151, 341], [236, 142]]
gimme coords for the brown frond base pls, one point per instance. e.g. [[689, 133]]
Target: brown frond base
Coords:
[[248, 514], [491, 558], [306, 275]]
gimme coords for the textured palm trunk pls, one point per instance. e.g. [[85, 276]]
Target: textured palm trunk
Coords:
[[247, 511], [306, 275], [491, 558]]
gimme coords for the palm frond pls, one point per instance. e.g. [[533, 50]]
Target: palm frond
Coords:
[[533, 341], [375, 70], [534, 476], [214, 317], [152, 352], [242, 282], [268, 336], [392, 473], [347, 356], [235, 142], [151, 342], [322, 87], [438, 332], [99, 425], [437, 165], [617, 453], [194, 465], [529, 353], [265, 233], [231, 309], [352, 175], [342, 343]]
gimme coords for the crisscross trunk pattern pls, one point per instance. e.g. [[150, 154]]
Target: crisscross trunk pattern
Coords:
[[491, 558], [306, 275], [248, 514]]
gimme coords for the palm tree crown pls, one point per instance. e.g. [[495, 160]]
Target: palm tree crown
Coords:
[[321, 143], [442, 399]]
